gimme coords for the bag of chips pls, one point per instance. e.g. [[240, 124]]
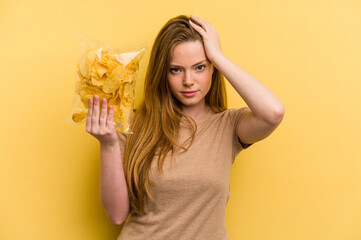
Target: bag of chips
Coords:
[[108, 73]]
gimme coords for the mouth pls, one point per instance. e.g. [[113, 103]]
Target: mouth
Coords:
[[189, 93]]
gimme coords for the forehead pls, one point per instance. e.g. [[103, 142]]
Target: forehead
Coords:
[[188, 53]]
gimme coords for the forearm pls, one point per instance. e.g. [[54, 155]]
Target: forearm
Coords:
[[263, 103], [113, 188]]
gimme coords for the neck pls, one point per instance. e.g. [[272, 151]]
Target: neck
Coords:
[[196, 112]]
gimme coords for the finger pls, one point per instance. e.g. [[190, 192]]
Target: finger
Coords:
[[89, 116], [110, 116], [95, 116], [197, 28], [204, 24], [103, 115]]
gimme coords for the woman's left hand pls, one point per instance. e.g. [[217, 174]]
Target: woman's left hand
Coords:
[[210, 37]]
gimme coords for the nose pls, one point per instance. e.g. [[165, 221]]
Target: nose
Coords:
[[187, 79]]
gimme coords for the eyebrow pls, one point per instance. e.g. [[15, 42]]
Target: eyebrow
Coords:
[[205, 60]]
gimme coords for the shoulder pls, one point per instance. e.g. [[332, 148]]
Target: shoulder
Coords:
[[226, 120], [232, 115], [236, 112]]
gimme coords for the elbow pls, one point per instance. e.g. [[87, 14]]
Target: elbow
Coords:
[[278, 115], [116, 213], [117, 220]]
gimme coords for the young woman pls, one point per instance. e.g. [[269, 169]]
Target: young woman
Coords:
[[171, 178]]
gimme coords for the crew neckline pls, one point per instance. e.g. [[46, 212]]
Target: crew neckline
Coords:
[[201, 119]]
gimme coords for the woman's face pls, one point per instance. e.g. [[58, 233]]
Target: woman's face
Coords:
[[190, 74]]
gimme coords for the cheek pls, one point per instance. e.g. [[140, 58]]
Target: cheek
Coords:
[[208, 78], [172, 85], [209, 83]]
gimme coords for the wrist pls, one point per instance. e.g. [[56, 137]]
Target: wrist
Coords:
[[109, 145], [217, 60]]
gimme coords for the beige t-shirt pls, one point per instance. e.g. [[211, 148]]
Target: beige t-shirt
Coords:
[[192, 193]]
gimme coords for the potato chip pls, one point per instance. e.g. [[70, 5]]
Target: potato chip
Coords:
[[114, 100], [79, 116], [108, 73], [100, 68], [86, 63], [86, 92], [115, 78]]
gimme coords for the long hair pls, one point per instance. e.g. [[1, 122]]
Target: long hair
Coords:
[[156, 123]]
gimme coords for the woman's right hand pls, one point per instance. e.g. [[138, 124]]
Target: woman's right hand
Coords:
[[100, 125]]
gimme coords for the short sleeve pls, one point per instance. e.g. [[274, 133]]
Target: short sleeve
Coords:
[[236, 115]]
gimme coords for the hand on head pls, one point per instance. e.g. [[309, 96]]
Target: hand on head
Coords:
[[210, 37]]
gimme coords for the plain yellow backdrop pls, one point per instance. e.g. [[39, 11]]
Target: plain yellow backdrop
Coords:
[[301, 183]]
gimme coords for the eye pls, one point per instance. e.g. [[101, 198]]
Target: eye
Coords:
[[201, 66], [173, 70]]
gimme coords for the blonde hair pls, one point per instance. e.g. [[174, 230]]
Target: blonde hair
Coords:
[[156, 123]]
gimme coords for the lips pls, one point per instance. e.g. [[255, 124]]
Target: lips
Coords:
[[189, 93]]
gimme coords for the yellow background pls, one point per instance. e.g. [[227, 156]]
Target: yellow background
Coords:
[[301, 183]]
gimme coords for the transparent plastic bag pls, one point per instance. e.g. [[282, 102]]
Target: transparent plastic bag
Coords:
[[108, 73]]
